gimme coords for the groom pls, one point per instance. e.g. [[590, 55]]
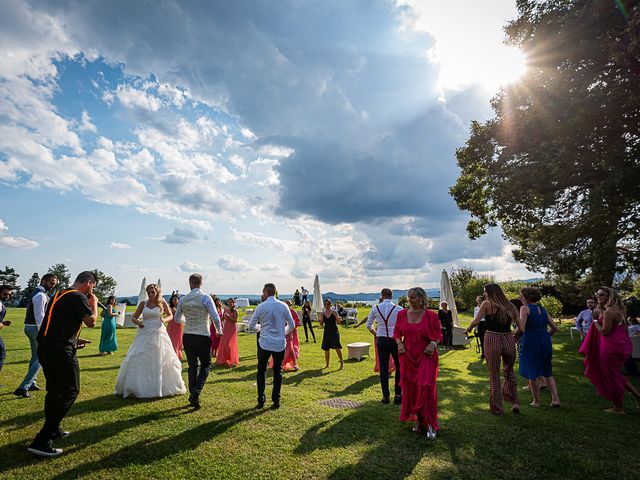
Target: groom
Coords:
[[197, 307]]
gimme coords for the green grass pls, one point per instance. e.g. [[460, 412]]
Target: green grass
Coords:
[[128, 438]]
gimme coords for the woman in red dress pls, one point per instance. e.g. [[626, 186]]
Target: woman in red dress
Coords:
[[174, 329], [417, 333], [215, 339], [228, 348], [292, 349], [606, 348]]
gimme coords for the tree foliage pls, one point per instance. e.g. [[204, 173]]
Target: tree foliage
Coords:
[[8, 276], [106, 285], [557, 167], [64, 277], [27, 292], [467, 285]]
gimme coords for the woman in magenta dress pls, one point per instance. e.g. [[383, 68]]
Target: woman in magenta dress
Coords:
[[215, 339], [606, 348], [228, 348], [174, 329], [292, 350], [417, 333]]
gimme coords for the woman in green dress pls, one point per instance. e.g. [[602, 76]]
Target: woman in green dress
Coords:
[[108, 341]]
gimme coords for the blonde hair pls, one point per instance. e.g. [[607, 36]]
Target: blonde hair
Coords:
[[155, 287], [615, 301], [421, 294]]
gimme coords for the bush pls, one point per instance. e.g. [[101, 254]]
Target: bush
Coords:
[[552, 305]]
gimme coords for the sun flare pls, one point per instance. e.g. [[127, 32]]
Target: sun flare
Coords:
[[492, 69]]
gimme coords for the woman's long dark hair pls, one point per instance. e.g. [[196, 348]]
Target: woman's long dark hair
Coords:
[[505, 310]]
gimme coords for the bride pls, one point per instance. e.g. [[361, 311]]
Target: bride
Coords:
[[151, 368]]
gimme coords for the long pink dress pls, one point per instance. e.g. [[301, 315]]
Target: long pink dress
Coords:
[[175, 334], [376, 368], [228, 348], [419, 371], [292, 350], [604, 356], [215, 339]]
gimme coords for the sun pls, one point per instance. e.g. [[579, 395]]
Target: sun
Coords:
[[491, 68]]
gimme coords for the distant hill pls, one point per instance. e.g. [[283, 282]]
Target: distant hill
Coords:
[[334, 297]]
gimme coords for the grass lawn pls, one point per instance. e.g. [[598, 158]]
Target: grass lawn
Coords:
[[128, 438]]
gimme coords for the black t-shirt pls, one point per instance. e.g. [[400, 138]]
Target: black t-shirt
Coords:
[[446, 318], [63, 318]]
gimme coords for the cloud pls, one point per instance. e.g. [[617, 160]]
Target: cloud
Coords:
[[233, 264], [269, 267], [121, 246], [17, 242], [131, 97], [181, 236], [85, 124], [189, 266]]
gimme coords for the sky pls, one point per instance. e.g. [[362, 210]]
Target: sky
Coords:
[[250, 141]]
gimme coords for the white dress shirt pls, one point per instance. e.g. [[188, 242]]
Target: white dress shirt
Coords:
[[274, 317], [387, 310], [40, 301]]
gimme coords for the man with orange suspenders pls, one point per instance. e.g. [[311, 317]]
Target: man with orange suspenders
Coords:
[[57, 345]]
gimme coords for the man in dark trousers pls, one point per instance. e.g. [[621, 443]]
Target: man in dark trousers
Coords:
[[384, 315], [58, 340], [198, 310]]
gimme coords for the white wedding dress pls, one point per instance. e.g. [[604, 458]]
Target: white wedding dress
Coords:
[[151, 368]]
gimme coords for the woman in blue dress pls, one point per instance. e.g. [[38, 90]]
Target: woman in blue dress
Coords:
[[108, 341], [535, 356]]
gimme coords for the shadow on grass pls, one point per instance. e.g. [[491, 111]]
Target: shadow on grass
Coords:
[[300, 376], [359, 386], [97, 404], [148, 451]]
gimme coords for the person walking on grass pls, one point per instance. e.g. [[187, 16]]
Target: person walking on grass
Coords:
[[606, 349], [198, 310], [499, 347], [33, 319], [58, 340], [275, 321], [384, 315], [536, 351]]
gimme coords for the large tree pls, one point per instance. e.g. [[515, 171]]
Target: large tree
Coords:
[[558, 166], [64, 277], [8, 276], [105, 286]]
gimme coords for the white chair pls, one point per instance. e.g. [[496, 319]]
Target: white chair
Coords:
[[352, 316]]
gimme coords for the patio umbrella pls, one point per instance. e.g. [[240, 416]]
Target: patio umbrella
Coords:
[[142, 296], [318, 305], [446, 295]]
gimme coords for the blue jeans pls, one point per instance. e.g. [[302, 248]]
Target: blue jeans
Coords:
[[31, 331]]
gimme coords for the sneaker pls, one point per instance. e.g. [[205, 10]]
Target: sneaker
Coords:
[[60, 434], [397, 400], [21, 392], [194, 402], [44, 450], [431, 433], [275, 406], [35, 388]]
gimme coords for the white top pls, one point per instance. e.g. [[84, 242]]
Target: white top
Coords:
[[274, 317], [389, 311], [475, 312], [39, 301], [305, 291]]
